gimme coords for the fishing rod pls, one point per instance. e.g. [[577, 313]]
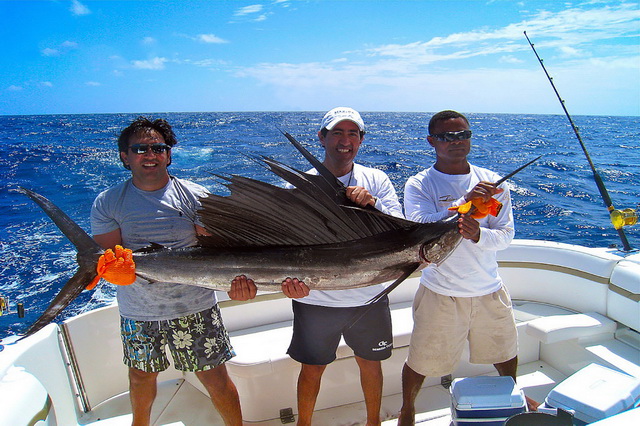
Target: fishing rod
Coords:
[[619, 218]]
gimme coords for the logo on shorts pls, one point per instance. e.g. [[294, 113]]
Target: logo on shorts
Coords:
[[382, 345]]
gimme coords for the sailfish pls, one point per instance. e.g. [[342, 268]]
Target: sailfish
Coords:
[[311, 231]]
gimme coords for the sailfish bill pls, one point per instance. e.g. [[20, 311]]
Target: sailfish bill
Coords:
[[268, 233]]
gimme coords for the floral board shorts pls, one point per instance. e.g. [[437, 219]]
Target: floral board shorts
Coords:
[[197, 342]]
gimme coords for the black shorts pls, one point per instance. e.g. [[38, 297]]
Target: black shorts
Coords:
[[317, 331]]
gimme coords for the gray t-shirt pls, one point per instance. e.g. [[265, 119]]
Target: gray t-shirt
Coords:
[[167, 217]]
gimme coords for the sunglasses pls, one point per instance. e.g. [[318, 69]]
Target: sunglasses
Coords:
[[142, 148], [453, 136]]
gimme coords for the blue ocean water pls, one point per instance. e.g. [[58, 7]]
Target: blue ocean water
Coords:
[[71, 158]]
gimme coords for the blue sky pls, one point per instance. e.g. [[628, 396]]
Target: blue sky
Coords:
[[289, 55]]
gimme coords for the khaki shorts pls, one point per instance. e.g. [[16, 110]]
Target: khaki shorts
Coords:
[[443, 324]]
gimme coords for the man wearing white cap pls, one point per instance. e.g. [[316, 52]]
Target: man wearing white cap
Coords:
[[321, 318]]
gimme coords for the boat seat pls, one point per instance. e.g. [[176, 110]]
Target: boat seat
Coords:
[[258, 346], [558, 328], [262, 362]]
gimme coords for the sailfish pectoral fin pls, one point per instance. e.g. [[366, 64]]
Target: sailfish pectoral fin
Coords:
[[410, 269], [71, 290]]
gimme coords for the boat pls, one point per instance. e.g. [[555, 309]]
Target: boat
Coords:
[[574, 306]]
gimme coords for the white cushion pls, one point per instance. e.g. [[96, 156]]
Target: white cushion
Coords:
[[557, 328]]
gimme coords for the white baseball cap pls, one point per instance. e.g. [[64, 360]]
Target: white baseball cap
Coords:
[[339, 114]]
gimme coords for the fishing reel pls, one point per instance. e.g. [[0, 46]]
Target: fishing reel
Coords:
[[625, 217], [5, 307]]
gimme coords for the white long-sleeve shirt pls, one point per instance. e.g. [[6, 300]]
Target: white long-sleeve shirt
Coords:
[[472, 269], [379, 185]]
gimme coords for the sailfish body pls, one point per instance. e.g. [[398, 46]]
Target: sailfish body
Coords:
[[311, 232]]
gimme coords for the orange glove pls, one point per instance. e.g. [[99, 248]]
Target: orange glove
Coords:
[[118, 268], [480, 208]]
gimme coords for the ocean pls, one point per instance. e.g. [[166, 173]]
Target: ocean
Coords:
[[71, 158]]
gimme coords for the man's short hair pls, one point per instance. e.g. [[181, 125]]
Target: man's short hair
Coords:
[[142, 126], [444, 116]]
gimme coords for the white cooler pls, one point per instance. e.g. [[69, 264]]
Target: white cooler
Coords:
[[485, 400], [595, 392]]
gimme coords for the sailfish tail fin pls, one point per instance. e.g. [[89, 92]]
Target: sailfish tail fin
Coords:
[[88, 253], [69, 291]]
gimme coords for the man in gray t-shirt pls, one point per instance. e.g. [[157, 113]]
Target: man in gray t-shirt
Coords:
[[154, 207]]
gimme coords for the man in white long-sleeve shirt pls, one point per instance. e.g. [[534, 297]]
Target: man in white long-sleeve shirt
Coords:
[[463, 298], [321, 318]]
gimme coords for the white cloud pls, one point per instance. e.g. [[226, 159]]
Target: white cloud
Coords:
[[210, 38], [392, 61], [78, 8], [46, 84], [93, 83], [50, 52], [411, 75], [148, 40], [570, 27], [570, 52], [247, 10], [205, 63], [64, 47], [156, 63], [14, 88], [508, 59]]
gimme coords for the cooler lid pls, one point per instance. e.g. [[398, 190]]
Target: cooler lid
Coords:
[[486, 392], [595, 392]]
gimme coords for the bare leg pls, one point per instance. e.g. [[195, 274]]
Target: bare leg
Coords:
[[223, 394], [308, 389], [371, 381], [411, 384], [510, 368], [142, 393]]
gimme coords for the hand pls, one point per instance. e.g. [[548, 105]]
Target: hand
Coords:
[[242, 288], [477, 208], [116, 268], [360, 196], [469, 227], [484, 191], [294, 288]]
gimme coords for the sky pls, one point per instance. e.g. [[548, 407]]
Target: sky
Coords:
[[61, 57]]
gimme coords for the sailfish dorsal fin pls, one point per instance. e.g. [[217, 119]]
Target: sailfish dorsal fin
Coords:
[[315, 211]]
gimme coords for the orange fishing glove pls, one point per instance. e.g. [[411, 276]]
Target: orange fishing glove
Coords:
[[482, 209], [118, 268]]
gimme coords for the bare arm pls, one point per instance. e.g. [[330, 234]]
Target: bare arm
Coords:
[[109, 240]]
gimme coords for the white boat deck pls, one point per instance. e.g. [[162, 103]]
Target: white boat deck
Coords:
[[73, 373], [432, 404], [179, 402]]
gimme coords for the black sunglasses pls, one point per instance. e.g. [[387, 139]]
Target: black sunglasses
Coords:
[[142, 148], [453, 136]]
